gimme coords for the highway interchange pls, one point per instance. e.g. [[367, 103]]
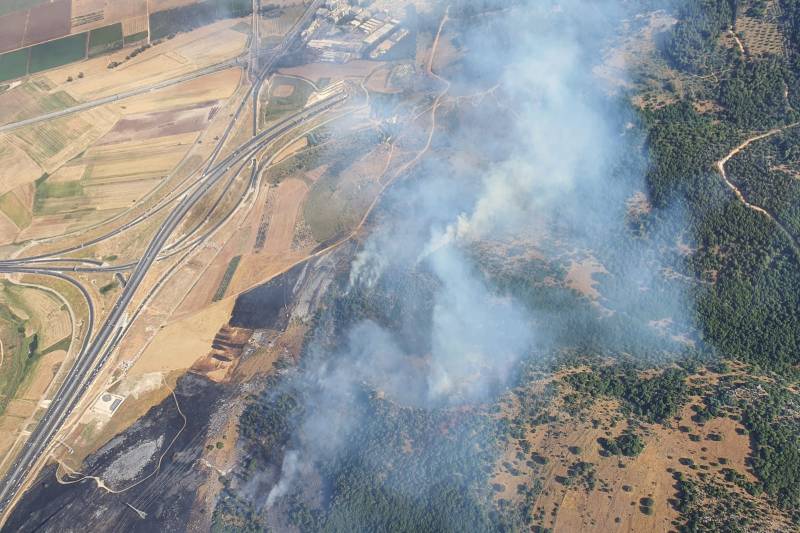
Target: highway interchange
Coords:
[[98, 347]]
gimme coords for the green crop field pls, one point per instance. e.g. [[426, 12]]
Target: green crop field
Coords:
[[136, 37], [59, 52], [226, 278], [13, 64], [104, 39]]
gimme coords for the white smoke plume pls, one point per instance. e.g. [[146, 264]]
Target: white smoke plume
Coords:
[[567, 137]]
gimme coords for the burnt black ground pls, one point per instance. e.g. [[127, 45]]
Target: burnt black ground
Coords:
[[166, 497]]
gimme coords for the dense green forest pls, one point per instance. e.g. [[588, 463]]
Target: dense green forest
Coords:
[[748, 306], [656, 398], [409, 469]]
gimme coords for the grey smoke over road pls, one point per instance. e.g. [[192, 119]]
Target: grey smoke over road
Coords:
[[552, 163]]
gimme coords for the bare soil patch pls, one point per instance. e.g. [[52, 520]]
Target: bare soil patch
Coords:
[[181, 343], [580, 277], [12, 30], [159, 124], [290, 195], [48, 21]]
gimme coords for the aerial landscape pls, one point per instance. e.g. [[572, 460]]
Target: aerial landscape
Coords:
[[400, 265]]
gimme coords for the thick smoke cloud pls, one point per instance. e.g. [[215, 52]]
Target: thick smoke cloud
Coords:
[[557, 166]]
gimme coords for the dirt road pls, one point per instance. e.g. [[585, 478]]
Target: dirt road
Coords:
[[721, 169]]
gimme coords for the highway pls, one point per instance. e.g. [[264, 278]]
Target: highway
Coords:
[[78, 379], [95, 351], [121, 96], [286, 43]]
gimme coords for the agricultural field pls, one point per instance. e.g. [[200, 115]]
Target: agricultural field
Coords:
[[13, 65], [12, 30], [168, 19], [32, 97], [285, 95], [106, 183], [184, 54], [48, 21], [57, 53], [92, 14], [21, 169], [105, 39], [75, 171], [51, 144], [10, 6], [760, 37]]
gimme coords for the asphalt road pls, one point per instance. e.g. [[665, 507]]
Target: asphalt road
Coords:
[[121, 96], [108, 336], [286, 43], [96, 351]]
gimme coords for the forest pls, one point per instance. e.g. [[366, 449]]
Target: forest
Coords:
[[748, 306], [405, 468]]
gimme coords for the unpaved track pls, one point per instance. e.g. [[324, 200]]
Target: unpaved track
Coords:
[[721, 169]]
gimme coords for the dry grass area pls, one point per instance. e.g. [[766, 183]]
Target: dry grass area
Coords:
[[18, 168], [291, 149], [8, 230], [272, 26], [45, 314], [46, 370], [580, 277], [567, 503], [289, 197], [185, 53], [181, 343], [218, 86], [379, 81]]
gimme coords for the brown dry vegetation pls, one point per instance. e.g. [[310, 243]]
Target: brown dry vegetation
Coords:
[[185, 53], [565, 503]]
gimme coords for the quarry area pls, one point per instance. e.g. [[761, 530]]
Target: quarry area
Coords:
[[379, 265]]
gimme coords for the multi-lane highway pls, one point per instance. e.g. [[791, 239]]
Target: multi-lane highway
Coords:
[[121, 96], [97, 349], [108, 336], [275, 54]]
